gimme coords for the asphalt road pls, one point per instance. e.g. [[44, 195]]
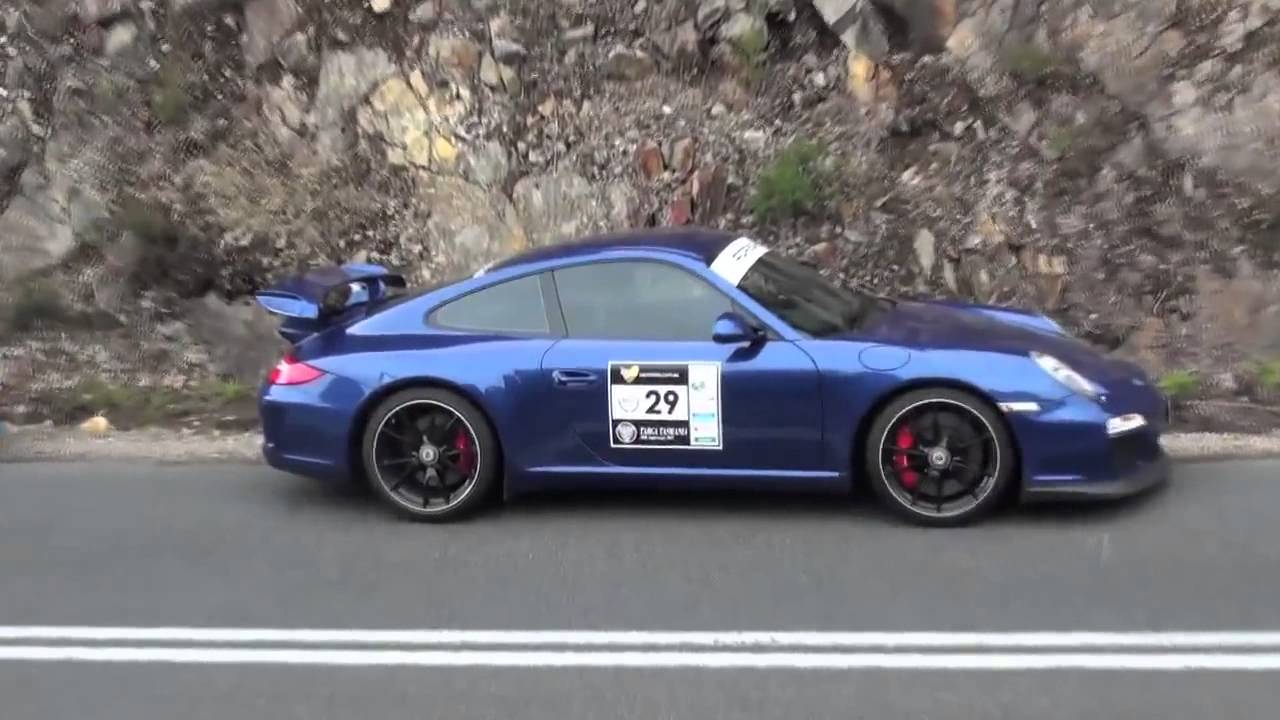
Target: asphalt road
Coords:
[[237, 546]]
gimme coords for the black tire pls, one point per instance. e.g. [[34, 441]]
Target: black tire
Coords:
[[434, 403], [953, 411]]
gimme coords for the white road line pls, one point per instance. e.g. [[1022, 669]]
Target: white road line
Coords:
[[1259, 662], [1220, 640]]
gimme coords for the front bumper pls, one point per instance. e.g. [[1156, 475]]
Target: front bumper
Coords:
[[1139, 479], [1079, 449]]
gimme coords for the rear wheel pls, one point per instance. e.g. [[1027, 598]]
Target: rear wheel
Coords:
[[939, 457], [430, 454]]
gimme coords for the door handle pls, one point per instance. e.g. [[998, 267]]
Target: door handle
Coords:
[[570, 378]]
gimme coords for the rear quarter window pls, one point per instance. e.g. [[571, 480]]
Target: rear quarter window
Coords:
[[515, 306]]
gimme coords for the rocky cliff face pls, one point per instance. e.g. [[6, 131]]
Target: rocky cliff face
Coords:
[[1111, 163]]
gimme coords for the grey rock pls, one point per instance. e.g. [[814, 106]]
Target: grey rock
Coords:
[[742, 26], [15, 145], [101, 11], [295, 53], [380, 7], [627, 64], [120, 36], [424, 13], [85, 211], [487, 165], [1231, 35], [755, 139], [926, 247], [35, 229], [679, 45], [1022, 119], [490, 75], [508, 51], [1131, 155], [180, 6], [266, 22], [240, 338], [15, 74], [555, 208], [511, 79], [1261, 12], [710, 14], [858, 24], [346, 77], [579, 34], [468, 225], [283, 106]]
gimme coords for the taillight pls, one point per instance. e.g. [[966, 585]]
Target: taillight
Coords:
[[290, 371]]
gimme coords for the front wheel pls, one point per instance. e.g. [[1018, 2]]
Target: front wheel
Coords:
[[430, 454], [939, 457]]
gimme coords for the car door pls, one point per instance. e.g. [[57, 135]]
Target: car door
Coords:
[[640, 384]]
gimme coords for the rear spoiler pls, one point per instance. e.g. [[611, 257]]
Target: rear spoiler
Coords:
[[311, 301]]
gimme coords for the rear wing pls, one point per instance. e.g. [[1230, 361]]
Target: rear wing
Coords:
[[315, 299]]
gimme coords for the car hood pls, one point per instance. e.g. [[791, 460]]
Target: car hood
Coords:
[[936, 325]]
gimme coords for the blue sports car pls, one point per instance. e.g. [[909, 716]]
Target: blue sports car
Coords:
[[692, 358]]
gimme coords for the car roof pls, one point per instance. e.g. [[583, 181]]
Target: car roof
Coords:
[[695, 243]]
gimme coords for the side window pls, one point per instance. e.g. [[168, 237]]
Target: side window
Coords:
[[514, 306], [638, 301]]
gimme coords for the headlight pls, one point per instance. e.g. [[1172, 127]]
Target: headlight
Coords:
[[1059, 371]]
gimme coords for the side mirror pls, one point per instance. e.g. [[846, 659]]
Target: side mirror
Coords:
[[731, 329]]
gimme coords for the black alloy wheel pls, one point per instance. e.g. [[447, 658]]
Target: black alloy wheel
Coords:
[[429, 454], [939, 457]]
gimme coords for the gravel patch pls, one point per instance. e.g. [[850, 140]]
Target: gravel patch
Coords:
[[155, 445], [151, 445], [1195, 446]]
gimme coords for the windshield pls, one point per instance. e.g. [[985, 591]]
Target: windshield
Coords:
[[802, 297]]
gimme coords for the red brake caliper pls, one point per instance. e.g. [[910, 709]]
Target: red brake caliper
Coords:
[[466, 452], [905, 441]]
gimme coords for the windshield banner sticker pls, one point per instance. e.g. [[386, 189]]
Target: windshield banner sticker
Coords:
[[737, 258], [664, 405]]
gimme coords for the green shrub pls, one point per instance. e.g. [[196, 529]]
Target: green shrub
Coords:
[[149, 222], [752, 51], [791, 184], [136, 406], [1028, 62], [225, 391], [1060, 138], [1268, 375], [1180, 384], [36, 305], [170, 101]]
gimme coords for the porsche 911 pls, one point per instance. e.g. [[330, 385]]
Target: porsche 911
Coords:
[[692, 359]]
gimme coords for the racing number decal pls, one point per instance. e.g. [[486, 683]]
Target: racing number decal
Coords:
[[664, 405]]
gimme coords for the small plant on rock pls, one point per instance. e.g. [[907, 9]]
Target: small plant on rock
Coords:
[[1028, 61], [170, 101], [752, 50], [1267, 376], [1180, 384], [791, 184], [1060, 138], [37, 305]]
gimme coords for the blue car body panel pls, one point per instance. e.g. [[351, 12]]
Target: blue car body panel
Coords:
[[794, 408]]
